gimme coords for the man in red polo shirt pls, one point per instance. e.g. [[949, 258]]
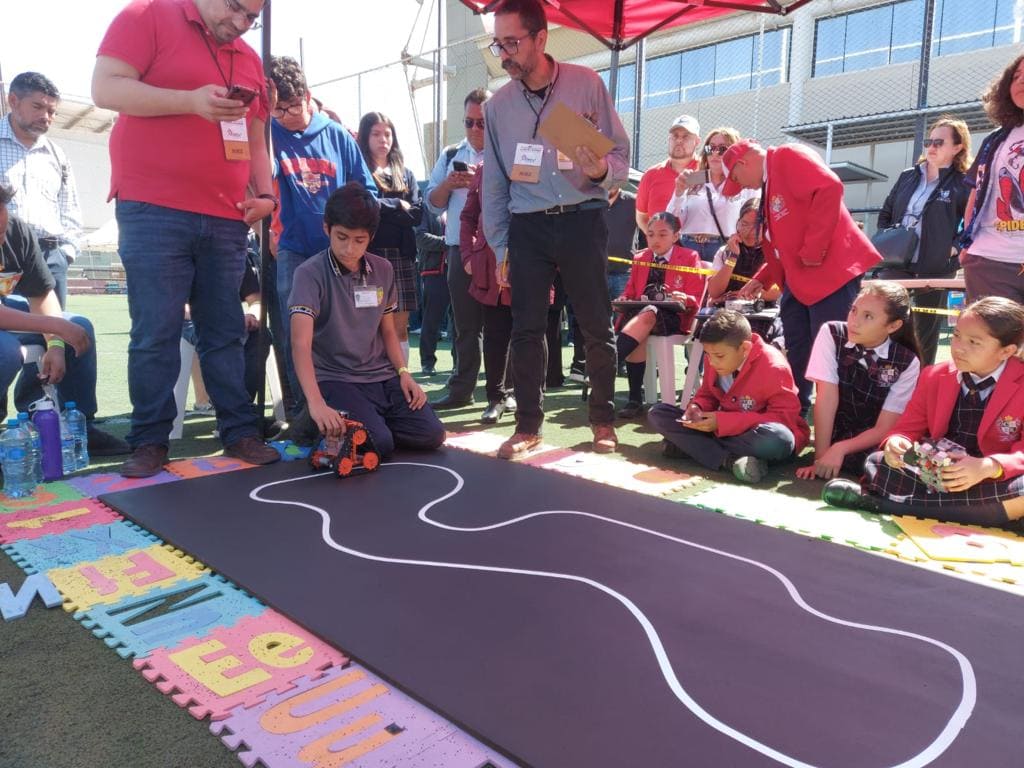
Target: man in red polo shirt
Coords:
[[659, 181], [813, 248], [190, 172]]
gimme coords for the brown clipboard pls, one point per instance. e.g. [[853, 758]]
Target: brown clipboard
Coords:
[[566, 130]]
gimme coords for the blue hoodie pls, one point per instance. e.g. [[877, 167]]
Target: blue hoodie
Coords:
[[308, 167]]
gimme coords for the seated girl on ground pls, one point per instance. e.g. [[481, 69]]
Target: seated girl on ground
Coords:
[[635, 325], [976, 401], [864, 371]]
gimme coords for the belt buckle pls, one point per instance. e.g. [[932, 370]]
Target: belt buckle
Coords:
[[555, 210]]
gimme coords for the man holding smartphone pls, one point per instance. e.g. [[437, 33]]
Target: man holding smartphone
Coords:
[[169, 66], [446, 191]]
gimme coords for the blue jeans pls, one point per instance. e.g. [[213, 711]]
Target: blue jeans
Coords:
[[79, 382], [287, 263], [171, 258], [617, 282], [382, 409], [706, 250], [57, 263]]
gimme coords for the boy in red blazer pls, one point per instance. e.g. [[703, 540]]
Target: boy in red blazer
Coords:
[[746, 412], [812, 247]]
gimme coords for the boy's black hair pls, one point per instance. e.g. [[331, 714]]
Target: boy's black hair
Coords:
[[727, 326], [6, 194], [353, 207]]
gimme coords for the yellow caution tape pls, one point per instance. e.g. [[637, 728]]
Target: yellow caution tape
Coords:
[[675, 268], [933, 311]]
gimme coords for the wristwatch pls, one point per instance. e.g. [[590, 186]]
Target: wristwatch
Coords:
[[273, 198]]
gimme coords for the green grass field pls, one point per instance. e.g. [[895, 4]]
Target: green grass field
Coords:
[[68, 701]]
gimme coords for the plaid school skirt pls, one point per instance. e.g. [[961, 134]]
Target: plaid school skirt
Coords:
[[904, 487], [405, 279]]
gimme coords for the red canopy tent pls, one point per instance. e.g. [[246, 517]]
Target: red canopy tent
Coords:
[[621, 23]]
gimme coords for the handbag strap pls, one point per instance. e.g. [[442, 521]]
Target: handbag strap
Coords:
[[935, 193], [714, 216]]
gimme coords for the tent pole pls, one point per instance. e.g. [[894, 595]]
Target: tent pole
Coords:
[[638, 96], [265, 257]]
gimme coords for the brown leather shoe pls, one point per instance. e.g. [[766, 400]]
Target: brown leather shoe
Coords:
[[252, 450], [145, 461], [605, 440], [517, 446]]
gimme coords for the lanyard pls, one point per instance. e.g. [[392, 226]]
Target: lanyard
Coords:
[[231, 72], [538, 112]]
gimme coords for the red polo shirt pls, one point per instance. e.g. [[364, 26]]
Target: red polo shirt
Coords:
[[657, 186], [178, 161]]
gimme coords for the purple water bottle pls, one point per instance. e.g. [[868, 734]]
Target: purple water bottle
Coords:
[[47, 421]]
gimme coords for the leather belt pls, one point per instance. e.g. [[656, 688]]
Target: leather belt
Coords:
[[586, 205], [49, 243], [701, 239]]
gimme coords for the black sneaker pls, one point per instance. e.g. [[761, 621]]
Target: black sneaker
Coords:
[[672, 451], [846, 494], [578, 373], [301, 430], [631, 410]]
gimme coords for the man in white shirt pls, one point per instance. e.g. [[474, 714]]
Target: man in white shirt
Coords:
[[39, 173]]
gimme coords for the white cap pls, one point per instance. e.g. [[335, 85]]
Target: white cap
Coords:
[[686, 122]]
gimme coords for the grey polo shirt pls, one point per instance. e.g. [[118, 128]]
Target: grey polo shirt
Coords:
[[347, 342], [512, 116]]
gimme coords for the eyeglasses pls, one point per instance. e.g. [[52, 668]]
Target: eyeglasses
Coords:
[[933, 143], [294, 109], [251, 19], [469, 122], [511, 47], [715, 149]]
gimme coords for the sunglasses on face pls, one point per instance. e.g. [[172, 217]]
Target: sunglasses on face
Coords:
[[469, 122], [933, 143], [715, 149]]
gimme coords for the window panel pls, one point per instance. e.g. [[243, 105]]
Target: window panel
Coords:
[[662, 86], [907, 28], [829, 46], [867, 39], [626, 101], [966, 26], [697, 74]]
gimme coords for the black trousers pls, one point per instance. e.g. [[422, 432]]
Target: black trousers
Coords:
[[574, 244], [497, 337], [468, 314], [434, 306]]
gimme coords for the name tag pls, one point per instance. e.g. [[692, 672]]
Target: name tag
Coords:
[[236, 139], [526, 165], [369, 297], [564, 162]]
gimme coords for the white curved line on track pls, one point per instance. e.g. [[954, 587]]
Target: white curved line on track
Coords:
[[941, 742]]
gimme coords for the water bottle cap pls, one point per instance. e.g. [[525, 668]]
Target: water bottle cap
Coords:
[[22, 416], [69, 404], [12, 423]]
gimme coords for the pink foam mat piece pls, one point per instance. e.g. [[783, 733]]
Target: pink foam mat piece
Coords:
[[56, 518], [238, 666], [108, 482], [348, 717], [206, 465]]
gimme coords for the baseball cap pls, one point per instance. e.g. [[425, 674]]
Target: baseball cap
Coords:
[[732, 154], [686, 122]]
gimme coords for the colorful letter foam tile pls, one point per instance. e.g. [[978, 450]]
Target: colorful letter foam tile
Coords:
[[108, 482], [15, 606], [45, 494], [348, 717], [620, 474], [162, 618], [964, 543], [56, 518], [135, 572], [239, 665], [62, 550], [289, 451], [208, 465]]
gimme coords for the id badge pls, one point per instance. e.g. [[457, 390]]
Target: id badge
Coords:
[[369, 297], [526, 165], [236, 139], [564, 162]]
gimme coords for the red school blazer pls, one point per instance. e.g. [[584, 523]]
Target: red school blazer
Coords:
[[999, 436], [811, 243]]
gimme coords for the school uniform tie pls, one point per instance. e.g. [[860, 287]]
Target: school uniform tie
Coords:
[[975, 389], [859, 352]]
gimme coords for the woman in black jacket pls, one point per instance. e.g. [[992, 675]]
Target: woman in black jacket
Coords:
[[401, 211], [930, 198]]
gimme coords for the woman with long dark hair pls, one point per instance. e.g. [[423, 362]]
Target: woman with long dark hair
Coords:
[[993, 239], [401, 211], [930, 198]]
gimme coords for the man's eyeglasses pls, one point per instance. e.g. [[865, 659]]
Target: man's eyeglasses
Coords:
[[511, 47], [251, 19], [933, 143], [469, 122], [294, 109], [715, 149]]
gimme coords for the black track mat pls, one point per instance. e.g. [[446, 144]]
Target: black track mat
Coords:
[[560, 673]]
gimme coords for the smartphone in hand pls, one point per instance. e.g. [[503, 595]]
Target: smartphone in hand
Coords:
[[458, 165], [695, 178], [241, 93]]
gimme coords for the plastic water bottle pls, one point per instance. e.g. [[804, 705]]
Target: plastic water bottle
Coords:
[[16, 456], [47, 421], [67, 447], [37, 446], [79, 431]]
